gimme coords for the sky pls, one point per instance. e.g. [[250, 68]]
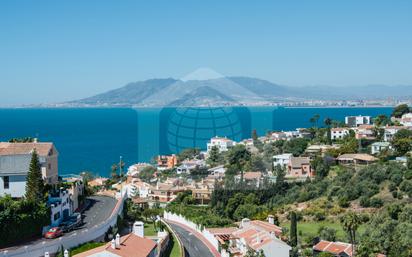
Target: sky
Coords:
[[54, 51]]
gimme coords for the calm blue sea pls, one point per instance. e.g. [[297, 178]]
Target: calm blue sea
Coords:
[[94, 139]]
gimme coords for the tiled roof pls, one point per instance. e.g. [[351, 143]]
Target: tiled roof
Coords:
[[252, 175], [42, 149], [333, 247], [357, 156], [299, 161], [130, 246]]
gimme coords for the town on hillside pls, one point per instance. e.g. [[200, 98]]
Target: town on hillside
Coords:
[[339, 188]]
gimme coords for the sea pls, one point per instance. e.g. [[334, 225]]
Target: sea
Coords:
[[92, 139]]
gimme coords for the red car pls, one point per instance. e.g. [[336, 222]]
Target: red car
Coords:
[[53, 233]]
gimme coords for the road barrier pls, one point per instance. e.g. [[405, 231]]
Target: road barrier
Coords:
[[182, 249], [203, 231]]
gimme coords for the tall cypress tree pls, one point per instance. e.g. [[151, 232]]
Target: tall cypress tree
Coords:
[[293, 230], [34, 184]]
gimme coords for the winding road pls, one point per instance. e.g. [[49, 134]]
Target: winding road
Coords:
[[194, 247], [99, 210]]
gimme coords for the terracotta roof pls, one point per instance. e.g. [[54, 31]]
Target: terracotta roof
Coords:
[[222, 231], [333, 247], [339, 129], [252, 175], [130, 246], [365, 126], [42, 149], [299, 161], [267, 227], [357, 156]]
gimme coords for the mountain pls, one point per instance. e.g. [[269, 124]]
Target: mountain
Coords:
[[232, 91]]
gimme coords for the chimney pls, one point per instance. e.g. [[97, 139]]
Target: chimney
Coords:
[[66, 253], [138, 228], [35, 140], [245, 223], [113, 244], [271, 219], [117, 240], [46, 254]]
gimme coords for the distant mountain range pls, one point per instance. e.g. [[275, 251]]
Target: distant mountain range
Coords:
[[231, 91]]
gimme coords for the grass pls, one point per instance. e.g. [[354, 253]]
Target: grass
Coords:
[[175, 252], [149, 229], [311, 228], [85, 247]]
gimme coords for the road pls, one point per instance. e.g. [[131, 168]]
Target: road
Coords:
[[99, 210], [194, 247]]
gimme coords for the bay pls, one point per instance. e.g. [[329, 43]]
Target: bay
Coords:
[[92, 139]]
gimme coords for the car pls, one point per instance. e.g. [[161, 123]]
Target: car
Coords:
[[53, 233]]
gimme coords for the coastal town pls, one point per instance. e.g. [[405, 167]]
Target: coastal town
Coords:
[[325, 190]]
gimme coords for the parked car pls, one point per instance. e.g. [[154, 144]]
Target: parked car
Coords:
[[72, 222], [53, 233]]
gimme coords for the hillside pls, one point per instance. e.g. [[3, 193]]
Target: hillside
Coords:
[[231, 91]]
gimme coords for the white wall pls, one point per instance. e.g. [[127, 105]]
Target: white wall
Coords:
[[73, 240], [17, 186]]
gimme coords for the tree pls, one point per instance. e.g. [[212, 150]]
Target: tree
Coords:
[[350, 223], [296, 146], [402, 141], [114, 171], [254, 135], [293, 229], [188, 153], [400, 110], [147, 173], [328, 234], [214, 156], [238, 159], [34, 184], [381, 120]]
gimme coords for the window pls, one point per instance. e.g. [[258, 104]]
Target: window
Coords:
[[56, 216], [6, 182]]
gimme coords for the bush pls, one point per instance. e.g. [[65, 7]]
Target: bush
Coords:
[[365, 202], [343, 201], [376, 202]]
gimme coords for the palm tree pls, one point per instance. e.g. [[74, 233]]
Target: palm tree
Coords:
[[328, 122], [350, 223]]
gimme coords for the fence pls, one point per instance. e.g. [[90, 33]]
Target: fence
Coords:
[[73, 240], [203, 231]]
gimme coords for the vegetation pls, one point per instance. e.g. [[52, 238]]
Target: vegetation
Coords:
[[34, 184], [21, 219]]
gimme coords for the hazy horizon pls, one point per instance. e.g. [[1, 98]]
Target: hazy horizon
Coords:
[[59, 51]]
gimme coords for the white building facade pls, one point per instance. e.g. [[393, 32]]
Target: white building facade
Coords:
[[223, 144]]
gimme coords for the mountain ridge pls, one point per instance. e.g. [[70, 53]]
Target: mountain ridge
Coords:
[[235, 90]]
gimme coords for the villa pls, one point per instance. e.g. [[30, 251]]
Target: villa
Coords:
[[355, 121], [15, 161], [338, 133], [223, 144], [378, 147], [356, 159], [300, 167], [257, 235]]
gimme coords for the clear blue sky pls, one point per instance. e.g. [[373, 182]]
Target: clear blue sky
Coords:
[[53, 51]]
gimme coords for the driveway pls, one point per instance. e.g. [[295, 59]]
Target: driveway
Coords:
[[194, 247]]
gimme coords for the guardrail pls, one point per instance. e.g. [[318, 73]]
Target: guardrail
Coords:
[[182, 249], [72, 240]]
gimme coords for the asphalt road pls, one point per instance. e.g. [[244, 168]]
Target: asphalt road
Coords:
[[194, 247], [98, 210]]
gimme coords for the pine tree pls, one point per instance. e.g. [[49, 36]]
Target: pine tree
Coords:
[[293, 230], [34, 184]]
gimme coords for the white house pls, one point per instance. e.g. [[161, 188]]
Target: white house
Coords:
[[354, 121], [222, 143], [138, 188], [339, 133], [218, 171], [378, 147], [188, 165], [406, 119], [259, 236], [15, 161], [282, 159], [390, 132], [60, 206]]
